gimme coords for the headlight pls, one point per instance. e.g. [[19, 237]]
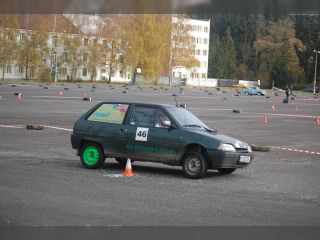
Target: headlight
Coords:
[[249, 149], [227, 147]]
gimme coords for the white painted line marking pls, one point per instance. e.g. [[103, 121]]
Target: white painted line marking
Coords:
[[58, 128], [54, 97], [112, 175], [12, 126]]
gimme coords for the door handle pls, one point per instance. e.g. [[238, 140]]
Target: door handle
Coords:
[[90, 125], [123, 130]]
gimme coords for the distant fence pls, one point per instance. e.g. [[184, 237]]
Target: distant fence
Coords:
[[197, 82], [213, 82]]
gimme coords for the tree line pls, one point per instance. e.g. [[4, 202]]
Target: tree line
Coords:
[[274, 49], [118, 43]]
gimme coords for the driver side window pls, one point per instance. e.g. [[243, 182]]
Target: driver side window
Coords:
[[162, 120]]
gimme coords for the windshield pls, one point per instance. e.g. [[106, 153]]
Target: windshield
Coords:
[[186, 118]]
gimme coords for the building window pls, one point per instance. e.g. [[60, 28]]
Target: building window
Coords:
[[85, 57], [194, 28], [44, 61], [64, 71], [22, 37], [31, 72], [203, 75], [9, 69], [20, 70], [204, 52], [198, 40], [206, 29], [197, 51], [103, 70], [199, 28], [65, 56], [85, 41], [205, 40], [204, 64], [84, 72]]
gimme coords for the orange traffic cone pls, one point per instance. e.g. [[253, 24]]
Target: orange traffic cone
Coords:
[[128, 171], [265, 120], [61, 93], [318, 121]]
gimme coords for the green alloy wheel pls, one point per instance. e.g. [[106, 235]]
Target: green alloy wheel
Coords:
[[92, 156]]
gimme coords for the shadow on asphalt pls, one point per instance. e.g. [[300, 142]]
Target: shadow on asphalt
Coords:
[[116, 168]]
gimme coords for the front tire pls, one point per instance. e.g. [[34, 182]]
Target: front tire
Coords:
[[194, 165], [92, 156], [226, 170]]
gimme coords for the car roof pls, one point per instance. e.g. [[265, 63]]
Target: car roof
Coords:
[[140, 103]]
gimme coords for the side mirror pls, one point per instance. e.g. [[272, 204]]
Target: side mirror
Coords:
[[167, 124]]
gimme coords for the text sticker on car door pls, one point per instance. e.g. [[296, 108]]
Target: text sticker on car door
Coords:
[[142, 134]]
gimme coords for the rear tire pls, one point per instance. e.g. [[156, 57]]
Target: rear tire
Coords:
[[92, 156], [194, 165], [226, 170]]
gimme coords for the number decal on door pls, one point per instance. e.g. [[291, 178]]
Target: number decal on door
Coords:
[[142, 134]]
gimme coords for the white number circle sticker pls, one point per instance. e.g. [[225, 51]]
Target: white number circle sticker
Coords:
[[142, 134]]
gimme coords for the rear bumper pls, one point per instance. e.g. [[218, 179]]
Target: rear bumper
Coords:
[[220, 159], [76, 141]]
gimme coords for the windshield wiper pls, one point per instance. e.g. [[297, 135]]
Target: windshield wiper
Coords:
[[194, 125]]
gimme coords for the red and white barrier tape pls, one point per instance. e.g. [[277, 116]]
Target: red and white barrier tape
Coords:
[[281, 115], [296, 150], [260, 113]]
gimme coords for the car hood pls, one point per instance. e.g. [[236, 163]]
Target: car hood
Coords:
[[220, 137]]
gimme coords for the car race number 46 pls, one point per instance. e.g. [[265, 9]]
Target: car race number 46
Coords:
[[142, 134]]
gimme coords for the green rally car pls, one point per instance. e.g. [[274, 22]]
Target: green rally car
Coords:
[[155, 133]]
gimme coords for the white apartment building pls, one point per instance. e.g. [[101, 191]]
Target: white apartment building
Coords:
[[201, 34]]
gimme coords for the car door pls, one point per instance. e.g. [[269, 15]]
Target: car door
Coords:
[[105, 125], [145, 140]]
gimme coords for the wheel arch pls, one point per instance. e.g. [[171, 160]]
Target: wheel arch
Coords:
[[192, 147]]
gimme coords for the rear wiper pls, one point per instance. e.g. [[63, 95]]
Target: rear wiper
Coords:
[[194, 125]]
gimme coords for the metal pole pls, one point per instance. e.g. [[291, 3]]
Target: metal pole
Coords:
[[55, 48], [315, 72]]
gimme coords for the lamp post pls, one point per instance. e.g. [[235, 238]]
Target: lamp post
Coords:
[[315, 71]]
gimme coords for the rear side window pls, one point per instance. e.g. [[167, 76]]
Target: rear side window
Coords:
[[109, 113]]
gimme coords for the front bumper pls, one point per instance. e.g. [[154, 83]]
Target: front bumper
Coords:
[[221, 159]]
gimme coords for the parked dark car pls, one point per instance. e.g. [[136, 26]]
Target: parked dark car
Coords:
[[310, 89], [155, 133]]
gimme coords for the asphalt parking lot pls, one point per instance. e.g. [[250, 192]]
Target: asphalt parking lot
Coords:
[[42, 181]]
